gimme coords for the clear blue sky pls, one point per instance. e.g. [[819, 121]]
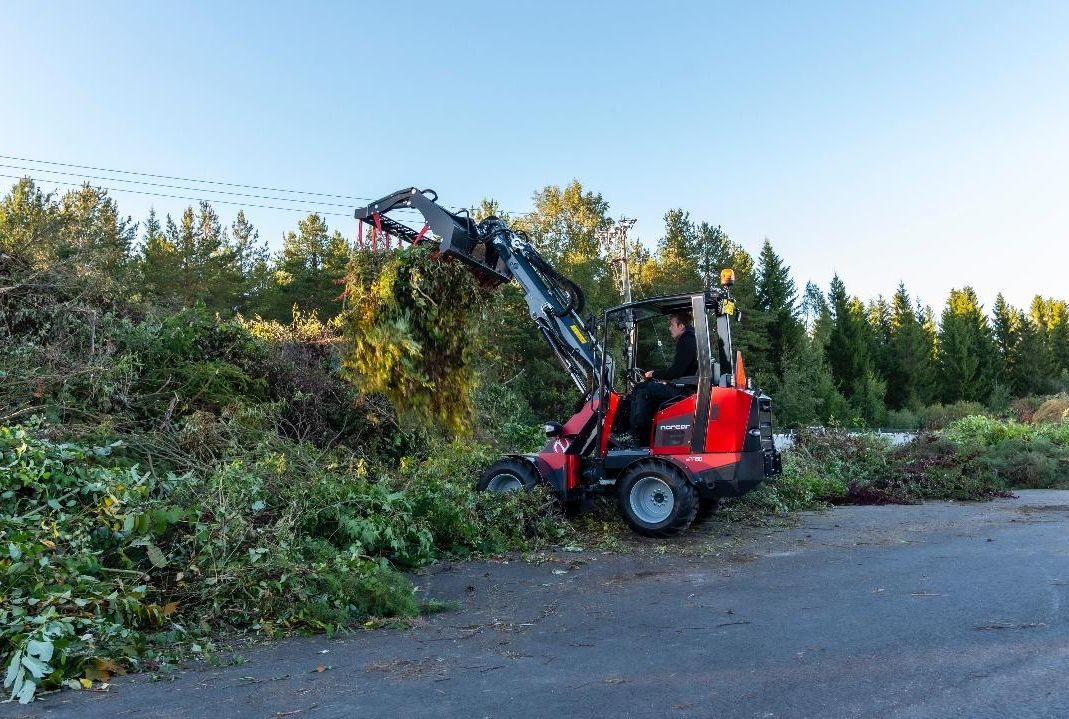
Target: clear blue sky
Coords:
[[917, 141]]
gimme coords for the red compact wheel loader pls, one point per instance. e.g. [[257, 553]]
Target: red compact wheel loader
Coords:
[[712, 441]]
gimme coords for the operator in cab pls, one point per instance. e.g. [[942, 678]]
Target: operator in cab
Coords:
[[648, 396]]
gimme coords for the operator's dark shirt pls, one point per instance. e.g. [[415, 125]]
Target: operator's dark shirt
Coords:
[[685, 363]]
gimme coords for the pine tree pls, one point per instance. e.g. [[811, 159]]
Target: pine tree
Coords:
[[158, 264], [251, 262], [675, 267], [29, 224], [94, 237], [308, 270]]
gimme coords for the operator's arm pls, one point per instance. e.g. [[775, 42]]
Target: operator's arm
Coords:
[[685, 360]]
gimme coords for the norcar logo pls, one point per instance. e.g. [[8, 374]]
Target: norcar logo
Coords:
[[671, 427]]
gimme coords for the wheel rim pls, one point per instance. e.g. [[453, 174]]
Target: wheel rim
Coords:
[[505, 482], [652, 500]]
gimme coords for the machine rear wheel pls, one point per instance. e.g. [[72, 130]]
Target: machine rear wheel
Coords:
[[509, 475], [656, 500]]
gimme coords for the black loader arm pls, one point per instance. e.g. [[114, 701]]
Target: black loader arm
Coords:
[[496, 253]]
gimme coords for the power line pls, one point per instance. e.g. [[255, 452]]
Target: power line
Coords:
[[203, 181], [194, 199], [191, 179], [172, 187], [183, 179]]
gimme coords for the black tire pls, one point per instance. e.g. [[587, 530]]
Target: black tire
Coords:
[[707, 507], [656, 500], [509, 475]]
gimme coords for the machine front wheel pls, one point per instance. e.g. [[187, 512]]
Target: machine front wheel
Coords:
[[509, 475], [656, 500]]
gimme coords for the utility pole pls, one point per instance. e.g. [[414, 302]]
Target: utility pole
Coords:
[[614, 240]]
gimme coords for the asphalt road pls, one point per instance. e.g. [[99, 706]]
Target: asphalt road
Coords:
[[942, 610]]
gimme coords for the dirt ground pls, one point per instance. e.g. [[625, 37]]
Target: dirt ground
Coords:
[[938, 610]]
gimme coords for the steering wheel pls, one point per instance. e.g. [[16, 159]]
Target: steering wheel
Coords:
[[637, 375]]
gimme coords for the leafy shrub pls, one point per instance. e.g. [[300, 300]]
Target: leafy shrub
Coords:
[[71, 527], [934, 467], [903, 419], [937, 416], [984, 431], [1028, 463]]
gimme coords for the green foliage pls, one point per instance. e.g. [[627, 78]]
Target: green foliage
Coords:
[[1029, 463], [74, 527], [413, 323], [902, 419], [1018, 455], [308, 273], [848, 348], [937, 416]]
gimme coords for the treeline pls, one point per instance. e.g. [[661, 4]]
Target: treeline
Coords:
[[825, 356]]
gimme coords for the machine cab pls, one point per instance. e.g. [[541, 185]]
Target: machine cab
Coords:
[[640, 326]]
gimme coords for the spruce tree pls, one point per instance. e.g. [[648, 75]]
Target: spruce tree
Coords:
[[847, 349], [878, 316], [816, 314], [1005, 331], [966, 349], [1031, 370], [910, 370], [1059, 339], [713, 248], [777, 298]]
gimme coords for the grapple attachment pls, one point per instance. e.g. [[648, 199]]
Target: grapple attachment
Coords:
[[456, 235]]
